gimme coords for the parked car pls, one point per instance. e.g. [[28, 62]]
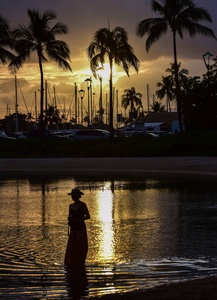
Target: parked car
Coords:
[[146, 134], [47, 134], [91, 134], [163, 133], [3, 135]]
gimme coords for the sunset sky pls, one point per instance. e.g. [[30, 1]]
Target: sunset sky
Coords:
[[83, 18]]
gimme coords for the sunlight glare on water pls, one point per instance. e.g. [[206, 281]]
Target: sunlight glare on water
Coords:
[[104, 199], [141, 233]]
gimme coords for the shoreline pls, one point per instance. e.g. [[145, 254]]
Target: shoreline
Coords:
[[166, 166]]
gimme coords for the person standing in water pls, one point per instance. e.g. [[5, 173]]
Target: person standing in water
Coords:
[[77, 245]]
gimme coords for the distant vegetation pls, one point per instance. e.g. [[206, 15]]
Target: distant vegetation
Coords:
[[198, 143]]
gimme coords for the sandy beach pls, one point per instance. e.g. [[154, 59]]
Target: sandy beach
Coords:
[[201, 167]]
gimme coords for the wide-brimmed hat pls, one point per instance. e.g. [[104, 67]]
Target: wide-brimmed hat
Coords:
[[76, 191]]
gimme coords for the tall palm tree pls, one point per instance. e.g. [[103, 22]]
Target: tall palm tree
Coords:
[[179, 16], [5, 41], [40, 37], [114, 46], [131, 98]]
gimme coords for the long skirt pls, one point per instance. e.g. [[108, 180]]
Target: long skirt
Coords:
[[77, 247]]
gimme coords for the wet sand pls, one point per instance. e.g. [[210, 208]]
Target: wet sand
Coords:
[[198, 289], [204, 289]]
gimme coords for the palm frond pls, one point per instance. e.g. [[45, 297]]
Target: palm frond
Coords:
[[157, 7], [59, 47], [146, 25], [156, 32], [22, 32], [195, 14], [35, 16], [5, 56], [62, 63], [194, 28], [18, 62], [120, 34], [95, 63], [59, 28], [59, 52]]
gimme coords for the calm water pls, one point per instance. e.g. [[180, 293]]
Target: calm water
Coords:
[[142, 232]]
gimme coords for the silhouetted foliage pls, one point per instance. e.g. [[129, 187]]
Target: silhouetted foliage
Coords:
[[179, 16], [114, 46], [199, 104], [6, 41], [40, 37]]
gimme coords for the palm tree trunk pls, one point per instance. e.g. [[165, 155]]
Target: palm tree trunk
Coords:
[[177, 83], [42, 98], [111, 103]]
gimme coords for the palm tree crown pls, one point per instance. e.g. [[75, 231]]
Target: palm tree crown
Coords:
[[40, 37], [158, 107], [166, 89], [5, 41], [114, 46], [131, 98], [179, 16]]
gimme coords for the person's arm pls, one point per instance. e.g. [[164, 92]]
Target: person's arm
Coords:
[[86, 212], [70, 217]]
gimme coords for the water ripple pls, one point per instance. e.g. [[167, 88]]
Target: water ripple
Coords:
[[25, 281]]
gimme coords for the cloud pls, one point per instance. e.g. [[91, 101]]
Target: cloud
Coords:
[[6, 100]]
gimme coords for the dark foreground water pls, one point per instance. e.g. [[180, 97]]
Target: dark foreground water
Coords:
[[143, 232]]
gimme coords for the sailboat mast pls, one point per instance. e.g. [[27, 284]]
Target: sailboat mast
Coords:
[[148, 96], [16, 105], [46, 125], [36, 127]]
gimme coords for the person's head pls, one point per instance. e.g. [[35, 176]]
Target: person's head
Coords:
[[76, 194]]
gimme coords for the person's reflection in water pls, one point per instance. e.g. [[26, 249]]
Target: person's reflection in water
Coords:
[[77, 246], [76, 281]]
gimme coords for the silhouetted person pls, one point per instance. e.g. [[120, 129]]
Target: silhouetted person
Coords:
[[77, 246]]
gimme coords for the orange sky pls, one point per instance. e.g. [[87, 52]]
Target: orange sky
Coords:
[[83, 18]]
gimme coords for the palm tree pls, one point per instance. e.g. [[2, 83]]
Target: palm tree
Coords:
[[158, 107], [5, 41], [179, 16], [40, 37], [53, 116], [181, 74], [132, 99], [166, 89], [113, 45]]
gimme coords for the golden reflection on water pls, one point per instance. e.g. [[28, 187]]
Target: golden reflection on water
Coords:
[[104, 199]]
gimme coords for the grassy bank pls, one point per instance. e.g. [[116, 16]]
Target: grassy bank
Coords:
[[187, 144]]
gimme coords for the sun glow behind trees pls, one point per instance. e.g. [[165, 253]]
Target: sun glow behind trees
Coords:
[[152, 66]]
